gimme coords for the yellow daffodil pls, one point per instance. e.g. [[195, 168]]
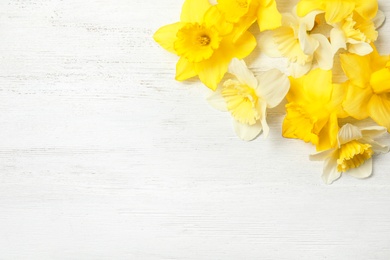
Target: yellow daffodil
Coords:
[[368, 91], [246, 12], [205, 42], [354, 152], [247, 97], [296, 41], [355, 34], [337, 10], [313, 108]]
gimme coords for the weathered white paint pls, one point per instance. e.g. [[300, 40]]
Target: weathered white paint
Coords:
[[104, 156]]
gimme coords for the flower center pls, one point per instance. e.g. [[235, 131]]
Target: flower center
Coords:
[[204, 40], [352, 155], [242, 102], [196, 42]]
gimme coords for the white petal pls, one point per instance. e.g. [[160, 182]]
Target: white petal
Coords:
[[308, 44], [321, 156], [296, 70], [290, 20], [309, 19], [338, 39], [273, 87], [379, 148], [361, 48], [348, 133], [330, 173], [324, 52], [373, 131], [379, 19], [239, 69], [267, 45], [247, 132], [264, 123], [363, 171], [217, 101]]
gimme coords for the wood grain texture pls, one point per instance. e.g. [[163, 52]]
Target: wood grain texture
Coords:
[[104, 156]]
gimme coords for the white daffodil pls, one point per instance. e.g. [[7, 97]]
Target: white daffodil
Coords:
[[299, 40], [355, 34], [353, 154], [247, 98]]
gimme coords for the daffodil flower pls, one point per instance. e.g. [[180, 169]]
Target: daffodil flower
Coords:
[[247, 98], [313, 108], [205, 42], [296, 40], [356, 34], [368, 88], [354, 152], [337, 10]]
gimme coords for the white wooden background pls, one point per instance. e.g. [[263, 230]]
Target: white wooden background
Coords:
[[104, 156]]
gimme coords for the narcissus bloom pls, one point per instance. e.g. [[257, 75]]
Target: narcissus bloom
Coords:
[[313, 108], [295, 41], [354, 152], [337, 10], [205, 42], [368, 93], [247, 98], [355, 34], [246, 12]]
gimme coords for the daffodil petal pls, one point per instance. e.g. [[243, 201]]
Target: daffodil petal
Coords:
[[297, 70], [306, 6], [367, 9], [166, 36], [268, 17], [328, 134], [323, 53], [273, 87], [308, 44], [357, 68], [375, 146], [243, 46], [264, 123], [193, 10], [338, 39], [330, 173], [267, 45], [247, 132], [321, 156], [242, 73], [379, 110], [356, 100], [308, 20], [184, 69], [217, 101], [363, 171], [361, 48], [348, 133], [373, 131], [338, 10], [379, 19]]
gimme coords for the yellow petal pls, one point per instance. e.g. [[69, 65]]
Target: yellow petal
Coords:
[[380, 81], [193, 10], [357, 68], [356, 100], [166, 36], [328, 135], [306, 6], [379, 110], [243, 46], [378, 61], [336, 11], [268, 16], [233, 9], [184, 69], [367, 9]]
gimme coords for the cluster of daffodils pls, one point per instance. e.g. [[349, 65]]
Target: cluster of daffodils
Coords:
[[212, 40]]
